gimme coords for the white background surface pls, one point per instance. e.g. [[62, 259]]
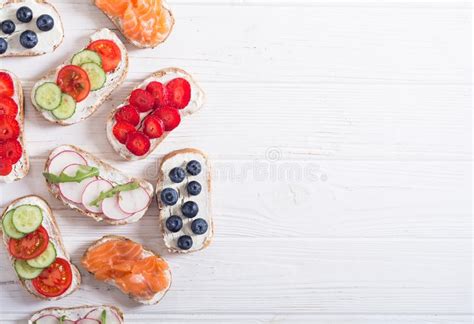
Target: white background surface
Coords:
[[369, 100]]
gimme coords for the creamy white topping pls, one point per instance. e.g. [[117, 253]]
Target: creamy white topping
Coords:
[[47, 40], [75, 313]]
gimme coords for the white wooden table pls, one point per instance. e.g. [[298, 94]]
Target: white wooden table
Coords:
[[340, 134]]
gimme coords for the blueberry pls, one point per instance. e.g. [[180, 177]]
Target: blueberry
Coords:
[[194, 188], [45, 22], [28, 39], [3, 46], [185, 242], [169, 196], [199, 226], [174, 223], [24, 14], [177, 175], [190, 209], [8, 26], [193, 167]]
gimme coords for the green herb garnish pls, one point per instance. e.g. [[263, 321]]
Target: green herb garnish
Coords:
[[83, 172], [112, 192]]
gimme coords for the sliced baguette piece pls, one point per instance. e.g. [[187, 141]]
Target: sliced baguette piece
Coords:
[[146, 253], [165, 75], [21, 168], [92, 102], [76, 313], [118, 22], [48, 41], [50, 224], [108, 173], [180, 158]]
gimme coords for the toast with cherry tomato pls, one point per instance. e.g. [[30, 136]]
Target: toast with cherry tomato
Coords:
[[152, 111], [36, 250], [94, 188], [74, 90], [14, 162], [87, 314]]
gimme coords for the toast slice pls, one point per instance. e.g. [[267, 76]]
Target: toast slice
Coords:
[[48, 40], [49, 223], [163, 76], [86, 107], [19, 169], [201, 234], [106, 172], [113, 314], [164, 274]]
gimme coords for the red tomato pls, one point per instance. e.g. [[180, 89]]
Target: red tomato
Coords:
[[30, 246], [109, 53], [74, 81], [55, 279]]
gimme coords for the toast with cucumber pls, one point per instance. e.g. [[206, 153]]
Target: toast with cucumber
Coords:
[[36, 250], [87, 314], [74, 90], [94, 188]]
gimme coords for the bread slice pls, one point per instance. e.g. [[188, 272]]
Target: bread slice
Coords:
[[91, 103], [49, 223], [180, 158], [21, 168], [77, 313], [106, 172], [48, 41], [118, 22], [146, 252], [197, 101]]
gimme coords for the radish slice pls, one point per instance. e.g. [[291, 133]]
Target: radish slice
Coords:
[[63, 159], [73, 190], [111, 209], [133, 201], [89, 321], [47, 319], [92, 191], [112, 317]]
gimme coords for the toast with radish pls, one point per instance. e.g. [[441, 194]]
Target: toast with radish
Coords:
[[29, 27], [74, 90], [100, 314], [144, 23], [140, 273], [14, 163], [183, 193], [153, 109], [94, 188], [36, 250]]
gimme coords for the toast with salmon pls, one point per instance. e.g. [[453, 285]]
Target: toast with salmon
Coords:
[[14, 162], [94, 188], [183, 193], [144, 23], [36, 249], [87, 314], [140, 273]]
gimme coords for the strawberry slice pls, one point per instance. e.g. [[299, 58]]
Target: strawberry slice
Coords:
[[169, 116], [6, 167], [138, 143], [153, 127], [158, 91], [179, 93], [8, 106], [121, 131], [142, 100], [12, 150], [9, 128], [6, 84], [128, 114]]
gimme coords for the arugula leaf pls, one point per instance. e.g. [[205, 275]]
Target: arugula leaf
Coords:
[[103, 317], [112, 192], [83, 172], [62, 319]]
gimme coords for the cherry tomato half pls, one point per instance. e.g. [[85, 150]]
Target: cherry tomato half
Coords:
[[55, 279], [30, 246], [109, 53], [74, 81]]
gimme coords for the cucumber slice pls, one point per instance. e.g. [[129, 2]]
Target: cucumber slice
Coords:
[[27, 218], [96, 75], [8, 227], [86, 56], [66, 109], [25, 271], [45, 259], [48, 96]]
